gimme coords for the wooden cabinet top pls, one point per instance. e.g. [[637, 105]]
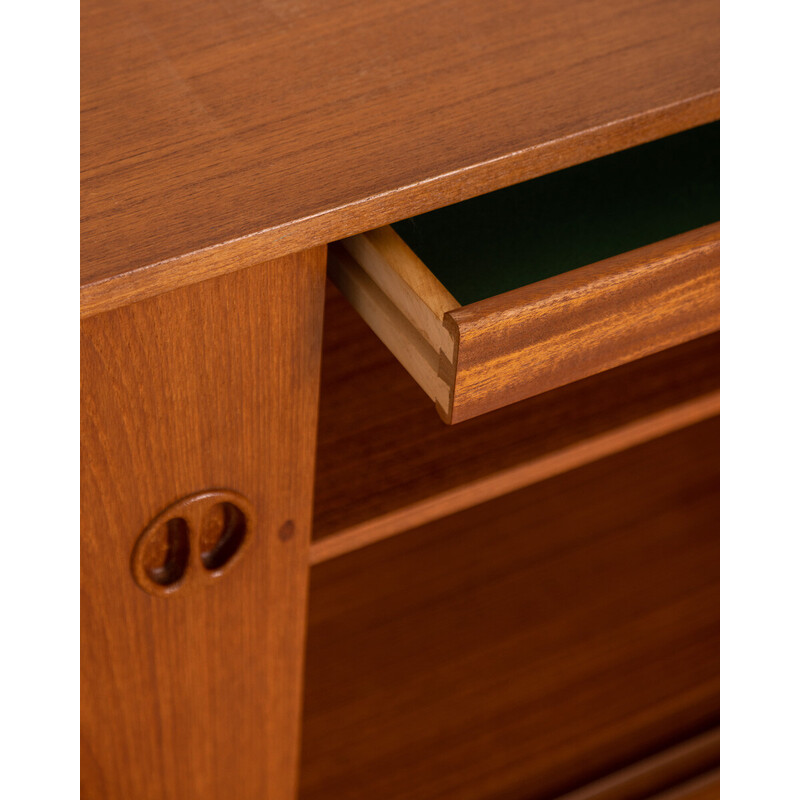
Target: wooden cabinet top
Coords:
[[220, 133]]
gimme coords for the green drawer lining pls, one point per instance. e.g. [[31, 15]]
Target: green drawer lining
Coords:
[[567, 219]]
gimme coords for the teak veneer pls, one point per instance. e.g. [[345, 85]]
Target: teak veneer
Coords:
[[197, 695], [523, 605], [599, 285], [686, 765], [527, 646], [213, 139], [484, 356], [385, 462]]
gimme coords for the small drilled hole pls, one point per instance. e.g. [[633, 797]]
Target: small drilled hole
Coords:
[[224, 529], [167, 552]]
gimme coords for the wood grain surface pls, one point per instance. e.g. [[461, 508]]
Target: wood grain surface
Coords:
[[690, 762], [529, 471], [704, 787], [526, 647], [399, 273], [383, 452], [407, 339], [218, 135], [214, 386], [579, 323]]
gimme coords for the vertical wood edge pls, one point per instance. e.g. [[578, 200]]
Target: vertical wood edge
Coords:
[[210, 386], [403, 339], [407, 283]]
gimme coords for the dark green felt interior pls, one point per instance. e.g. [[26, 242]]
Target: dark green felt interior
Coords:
[[567, 219]]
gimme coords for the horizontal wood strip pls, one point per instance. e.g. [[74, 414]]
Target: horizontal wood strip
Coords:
[[704, 787], [476, 492], [134, 280], [381, 447], [676, 764], [585, 321]]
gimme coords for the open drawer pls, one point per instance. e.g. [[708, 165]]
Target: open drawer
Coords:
[[520, 291]]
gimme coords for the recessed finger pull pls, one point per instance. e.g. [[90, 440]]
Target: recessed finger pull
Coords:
[[224, 529], [166, 553], [194, 541]]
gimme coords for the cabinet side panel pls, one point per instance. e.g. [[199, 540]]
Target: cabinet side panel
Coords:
[[215, 386]]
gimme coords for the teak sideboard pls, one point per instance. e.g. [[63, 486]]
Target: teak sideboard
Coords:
[[399, 400]]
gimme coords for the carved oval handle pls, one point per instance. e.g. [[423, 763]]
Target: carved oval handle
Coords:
[[192, 542]]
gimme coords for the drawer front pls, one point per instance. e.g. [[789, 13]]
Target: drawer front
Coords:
[[498, 351], [571, 321], [583, 322], [527, 647]]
